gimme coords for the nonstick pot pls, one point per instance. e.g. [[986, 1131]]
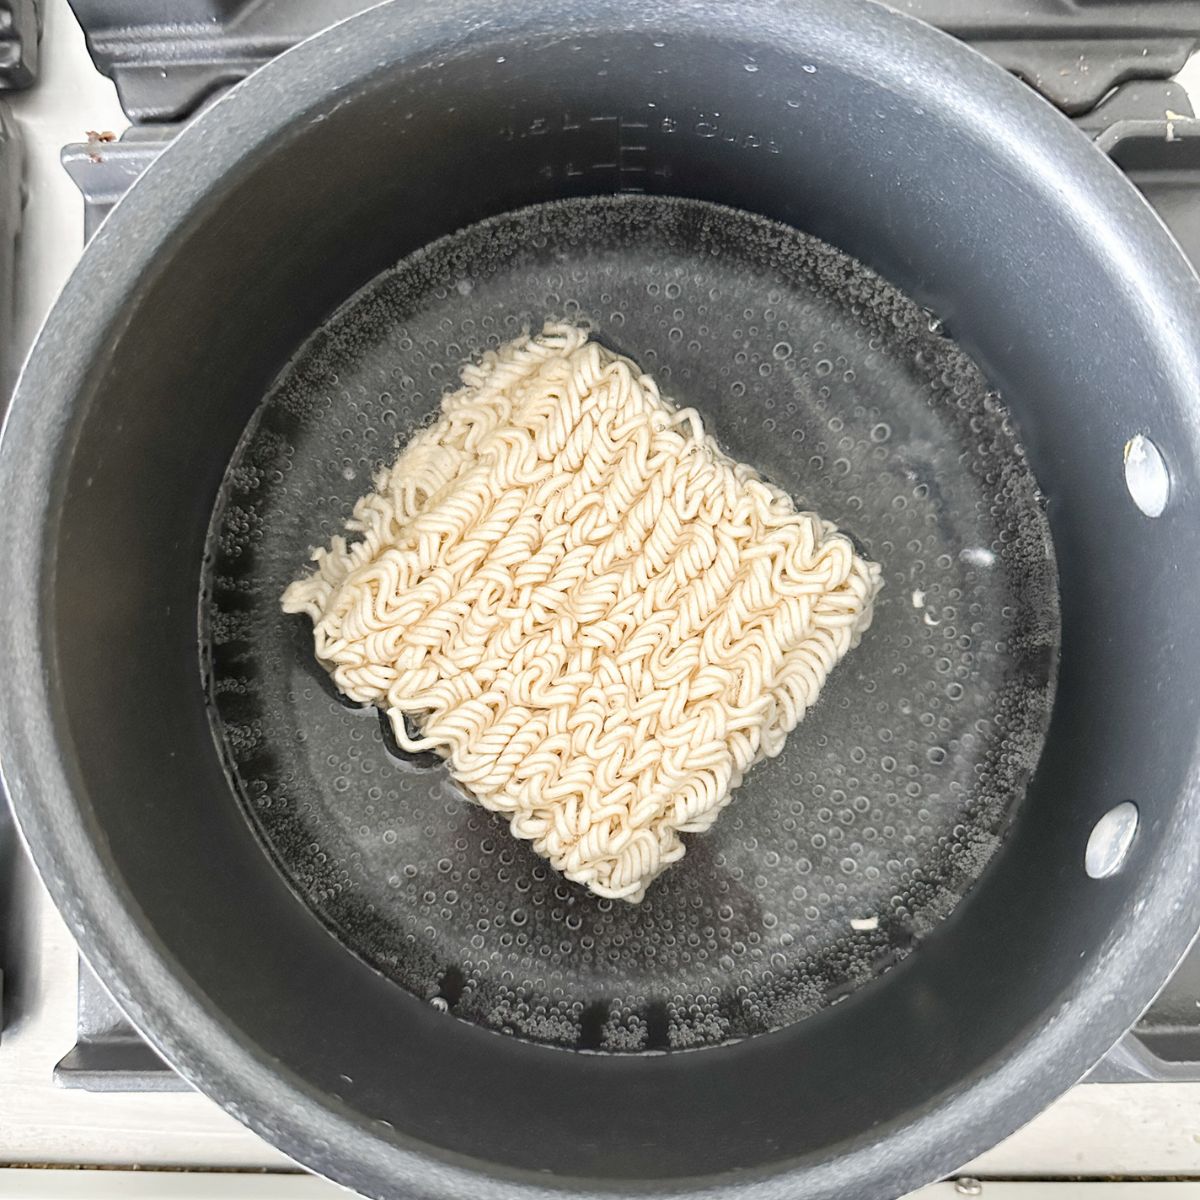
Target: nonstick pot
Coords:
[[888, 140]]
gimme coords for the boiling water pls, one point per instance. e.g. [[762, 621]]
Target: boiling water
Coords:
[[835, 858]]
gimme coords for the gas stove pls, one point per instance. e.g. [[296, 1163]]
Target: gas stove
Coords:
[[77, 1083]]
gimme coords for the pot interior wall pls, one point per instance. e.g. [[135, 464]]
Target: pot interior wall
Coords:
[[423, 149]]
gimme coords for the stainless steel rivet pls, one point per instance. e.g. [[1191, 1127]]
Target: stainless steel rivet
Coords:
[[1110, 839], [968, 1186], [1146, 475]]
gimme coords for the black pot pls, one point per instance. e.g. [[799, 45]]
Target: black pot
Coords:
[[907, 150]]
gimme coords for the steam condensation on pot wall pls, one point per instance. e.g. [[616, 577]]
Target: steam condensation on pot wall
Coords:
[[887, 802]]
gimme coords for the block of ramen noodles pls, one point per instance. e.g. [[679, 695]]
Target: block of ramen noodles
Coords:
[[599, 619]]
